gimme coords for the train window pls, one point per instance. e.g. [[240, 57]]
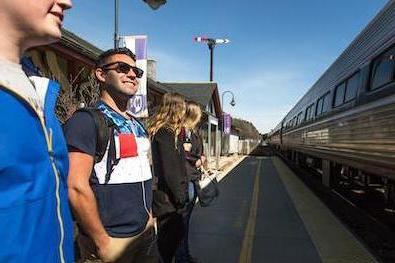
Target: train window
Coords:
[[322, 105], [325, 103], [318, 108], [339, 94], [383, 69], [309, 112], [352, 87], [299, 118]]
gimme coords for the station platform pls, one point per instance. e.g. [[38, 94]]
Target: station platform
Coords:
[[266, 214]]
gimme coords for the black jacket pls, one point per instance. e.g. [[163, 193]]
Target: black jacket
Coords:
[[171, 190], [193, 156]]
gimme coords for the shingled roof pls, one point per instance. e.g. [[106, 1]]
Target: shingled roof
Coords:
[[201, 93], [76, 43]]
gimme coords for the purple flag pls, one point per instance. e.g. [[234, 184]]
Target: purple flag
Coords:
[[141, 48], [227, 122]]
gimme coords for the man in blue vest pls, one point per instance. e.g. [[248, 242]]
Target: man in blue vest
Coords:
[[35, 221], [112, 195]]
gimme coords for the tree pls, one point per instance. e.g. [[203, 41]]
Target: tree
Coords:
[[76, 94], [245, 128]]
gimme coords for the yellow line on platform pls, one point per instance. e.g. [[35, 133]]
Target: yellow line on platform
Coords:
[[248, 241]]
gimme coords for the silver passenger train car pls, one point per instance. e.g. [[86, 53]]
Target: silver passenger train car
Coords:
[[345, 124]]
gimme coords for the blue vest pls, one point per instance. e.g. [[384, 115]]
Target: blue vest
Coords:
[[35, 219]]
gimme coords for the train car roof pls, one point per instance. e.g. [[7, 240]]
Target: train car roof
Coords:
[[368, 43]]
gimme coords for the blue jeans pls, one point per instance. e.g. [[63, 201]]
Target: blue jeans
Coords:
[[182, 252]]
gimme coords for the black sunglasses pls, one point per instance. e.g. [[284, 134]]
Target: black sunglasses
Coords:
[[125, 68]]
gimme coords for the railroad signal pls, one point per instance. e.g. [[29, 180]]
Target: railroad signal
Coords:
[[211, 43], [211, 40]]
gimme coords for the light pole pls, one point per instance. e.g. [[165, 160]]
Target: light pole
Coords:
[[154, 4], [116, 37], [211, 43], [226, 121]]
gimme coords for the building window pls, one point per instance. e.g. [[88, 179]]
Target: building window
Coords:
[[339, 94], [383, 70]]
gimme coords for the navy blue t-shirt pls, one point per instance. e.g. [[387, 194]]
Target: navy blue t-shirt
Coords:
[[122, 207], [80, 133]]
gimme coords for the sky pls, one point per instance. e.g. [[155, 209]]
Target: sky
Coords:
[[278, 48]]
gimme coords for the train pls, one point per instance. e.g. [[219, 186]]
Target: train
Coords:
[[344, 126]]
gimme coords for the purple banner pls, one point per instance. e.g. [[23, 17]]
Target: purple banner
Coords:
[[137, 104], [141, 48], [227, 122]]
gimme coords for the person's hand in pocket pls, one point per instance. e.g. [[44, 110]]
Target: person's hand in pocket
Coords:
[[103, 248], [113, 249]]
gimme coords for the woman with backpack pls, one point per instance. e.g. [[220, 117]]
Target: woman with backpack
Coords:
[[170, 181]]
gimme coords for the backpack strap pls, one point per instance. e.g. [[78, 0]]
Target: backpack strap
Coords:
[[112, 159], [104, 129]]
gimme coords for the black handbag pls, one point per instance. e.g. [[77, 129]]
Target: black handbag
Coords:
[[207, 189]]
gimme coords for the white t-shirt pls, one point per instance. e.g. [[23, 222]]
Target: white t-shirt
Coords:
[[13, 77]]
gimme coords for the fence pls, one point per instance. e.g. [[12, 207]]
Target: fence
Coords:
[[247, 146], [231, 144]]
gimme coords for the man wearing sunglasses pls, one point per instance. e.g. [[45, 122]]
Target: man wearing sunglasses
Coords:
[[111, 196]]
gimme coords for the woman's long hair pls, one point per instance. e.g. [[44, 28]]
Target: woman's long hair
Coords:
[[170, 115], [193, 115]]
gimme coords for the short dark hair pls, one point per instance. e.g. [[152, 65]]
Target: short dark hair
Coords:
[[122, 50]]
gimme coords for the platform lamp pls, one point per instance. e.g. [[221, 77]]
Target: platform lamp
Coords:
[[232, 103]]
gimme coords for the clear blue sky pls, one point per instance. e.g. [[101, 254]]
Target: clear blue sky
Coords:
[[278, 48]]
